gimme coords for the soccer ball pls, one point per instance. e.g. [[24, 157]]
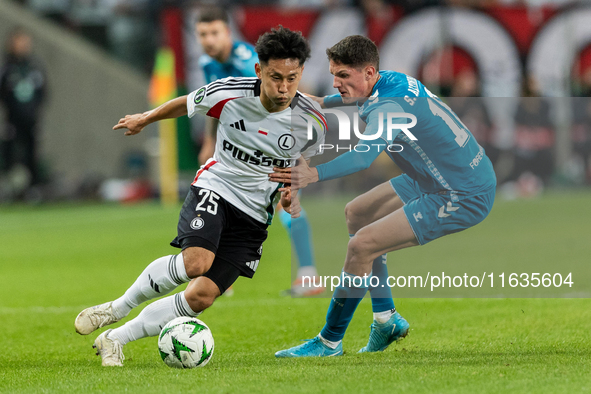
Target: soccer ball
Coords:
[[185, 342]]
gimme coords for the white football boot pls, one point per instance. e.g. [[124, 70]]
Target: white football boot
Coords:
[[95, 317], [111, 351]]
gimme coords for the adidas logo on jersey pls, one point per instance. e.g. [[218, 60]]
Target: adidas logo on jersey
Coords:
[[239, 125]]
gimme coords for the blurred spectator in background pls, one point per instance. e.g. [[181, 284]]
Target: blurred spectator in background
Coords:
[[581, 134], [534, 135], [22, 91], [470, 107]]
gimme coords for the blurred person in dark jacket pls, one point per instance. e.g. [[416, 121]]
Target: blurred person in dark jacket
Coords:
[[22, 92], [534, 135], [581, 132]]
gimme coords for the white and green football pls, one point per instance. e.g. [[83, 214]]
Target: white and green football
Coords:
[[185, 342]]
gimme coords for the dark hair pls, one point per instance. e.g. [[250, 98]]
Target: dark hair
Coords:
[[355, 51], [282, 43], [212, 14]]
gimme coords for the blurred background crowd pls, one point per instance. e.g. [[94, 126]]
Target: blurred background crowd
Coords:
[[517, 72]]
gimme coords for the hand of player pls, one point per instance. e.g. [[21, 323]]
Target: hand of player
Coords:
[[286, 198], [299, 176], [133, 123], [290, 202]]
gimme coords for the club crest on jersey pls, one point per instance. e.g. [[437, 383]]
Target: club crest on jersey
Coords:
[[260, 251], [286, 141], [197, 223], [200, 95]]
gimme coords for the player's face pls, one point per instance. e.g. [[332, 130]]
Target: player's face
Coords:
[[279, 82], [352, 83], [215, 38]]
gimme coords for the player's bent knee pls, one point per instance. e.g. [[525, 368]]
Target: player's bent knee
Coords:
[[205, 301], [197, 261], [359, 258], [201, 294], [359, 247], [355, 217], [199, 302]]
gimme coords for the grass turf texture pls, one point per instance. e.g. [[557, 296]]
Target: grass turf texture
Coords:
[[57, 260]]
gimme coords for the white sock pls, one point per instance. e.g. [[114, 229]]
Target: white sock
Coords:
[[383, 317], [308, 270], [150, 321], [330, 344], [159, 278]]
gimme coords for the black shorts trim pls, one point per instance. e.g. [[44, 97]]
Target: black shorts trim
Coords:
[[194, 241]]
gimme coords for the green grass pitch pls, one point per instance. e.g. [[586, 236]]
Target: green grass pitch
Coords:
[[57, 260]]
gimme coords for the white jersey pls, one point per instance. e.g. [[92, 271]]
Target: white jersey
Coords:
[[251, 141]]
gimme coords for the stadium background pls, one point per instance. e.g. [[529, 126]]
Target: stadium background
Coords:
[[100, 57]]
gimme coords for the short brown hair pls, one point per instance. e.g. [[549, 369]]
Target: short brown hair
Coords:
[[355, 51], [212, 14]]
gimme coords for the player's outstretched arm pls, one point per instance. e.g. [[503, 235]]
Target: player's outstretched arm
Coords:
[[345, 164], [135, 123]]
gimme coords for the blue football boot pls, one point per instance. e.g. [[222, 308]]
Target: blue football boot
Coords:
[[383, 334], [313, 348]]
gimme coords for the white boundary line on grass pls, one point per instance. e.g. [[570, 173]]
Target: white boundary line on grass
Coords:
[[57, 310]]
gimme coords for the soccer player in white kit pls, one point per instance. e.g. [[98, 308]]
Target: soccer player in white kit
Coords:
[[222, 224]]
